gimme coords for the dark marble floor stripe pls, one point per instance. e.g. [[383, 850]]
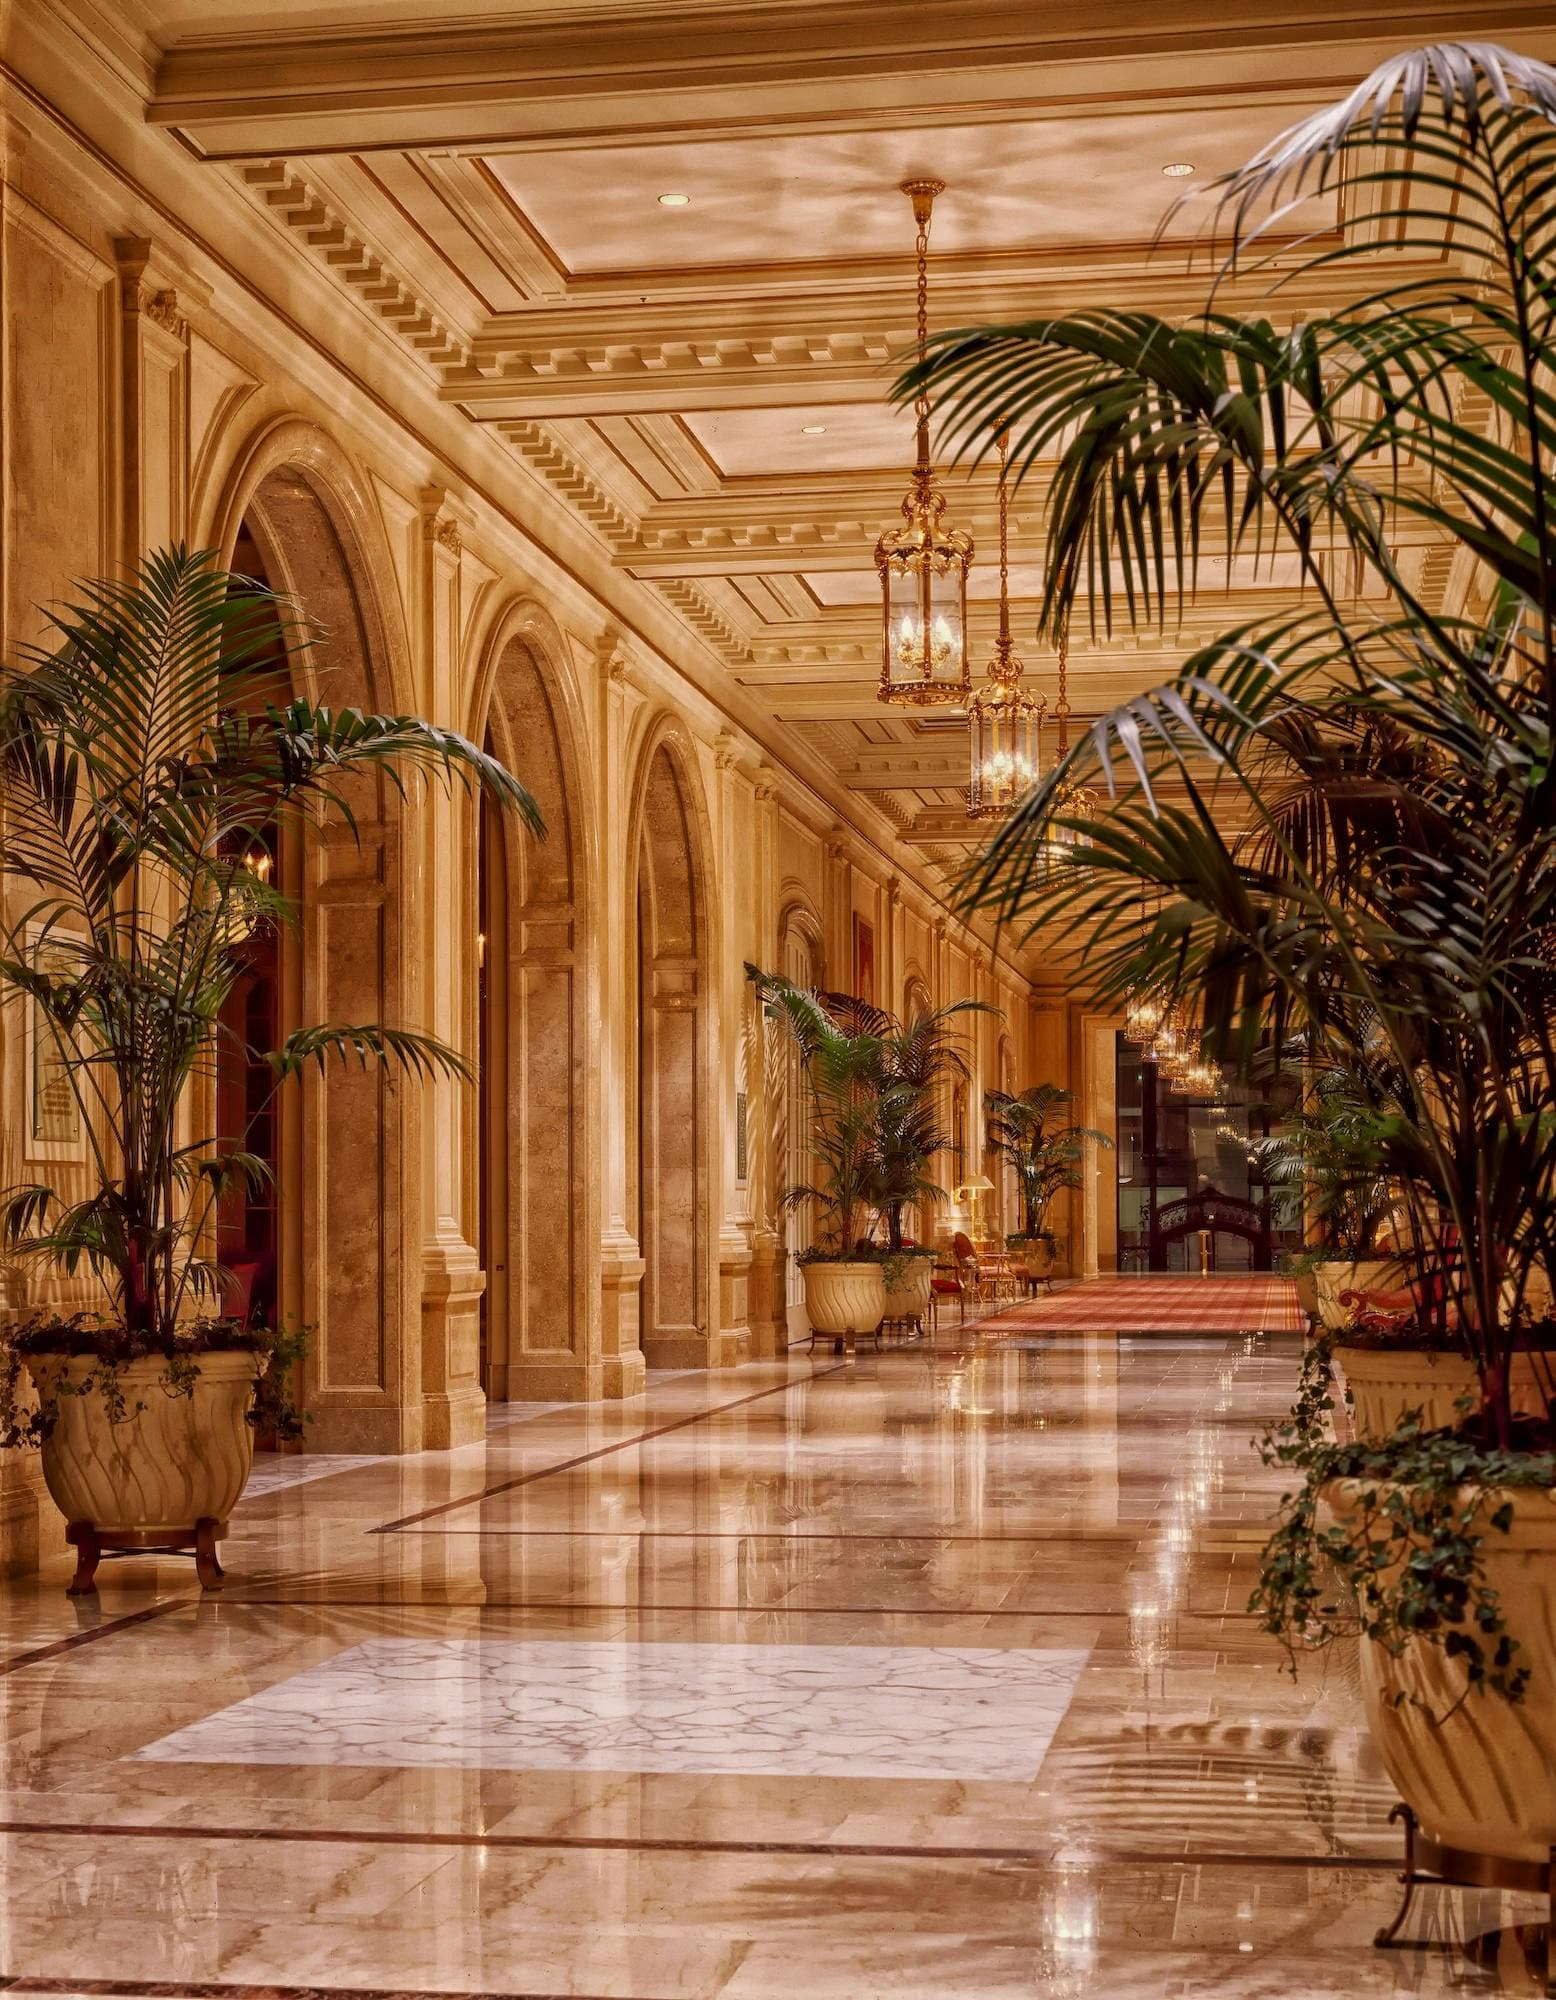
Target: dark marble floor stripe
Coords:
[[73, 1640], [605, 1450], [216, 1989], [746, 1610], [639, 1844], [781, 1535]]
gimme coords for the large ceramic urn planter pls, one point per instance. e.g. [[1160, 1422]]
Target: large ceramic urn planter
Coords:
[[908, 1301], [1365, 1274], [843, 1300], [1037, 1257], [1481, 1782], [166, 1475], [1385, 1383]]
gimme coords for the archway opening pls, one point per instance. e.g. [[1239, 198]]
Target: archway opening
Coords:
[[533, 1225], [339, 1145], [671, 1194]]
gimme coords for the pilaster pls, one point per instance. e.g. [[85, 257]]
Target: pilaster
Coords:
[[622, 1265], [156, 297], [452, 1278]]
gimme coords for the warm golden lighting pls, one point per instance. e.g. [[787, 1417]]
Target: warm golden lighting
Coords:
[[1143, 1015], [1070, 801], [258, 862], [923, 564], [1005, 723]]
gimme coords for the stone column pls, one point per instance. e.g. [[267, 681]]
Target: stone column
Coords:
[[739, 884], [621, 1260], [454, 1408], [764, 1084]]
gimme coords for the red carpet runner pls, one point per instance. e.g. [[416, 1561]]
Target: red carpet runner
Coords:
[[1164, 1305]]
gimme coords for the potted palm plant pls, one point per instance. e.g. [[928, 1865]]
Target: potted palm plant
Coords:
[[1330, 1150], [154, 757], [1349, 810], [844, 1292], [918, 1057], [873, 1130], [1045, 1149]]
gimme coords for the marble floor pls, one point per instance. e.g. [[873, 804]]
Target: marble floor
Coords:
[[926, 1674]]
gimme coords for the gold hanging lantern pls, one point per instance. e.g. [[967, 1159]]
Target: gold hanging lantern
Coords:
[[1145, 1008], [923, 564], [1005, 723], [1143, 1015], [1070, 801]]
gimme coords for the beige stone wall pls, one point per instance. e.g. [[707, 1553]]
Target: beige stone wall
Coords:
[[174, 366]]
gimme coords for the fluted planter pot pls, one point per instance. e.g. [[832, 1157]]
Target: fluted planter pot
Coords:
[[1366, 1274], [1386, 1383], [1037, 1256], [910, 1299], [1484, 1780], [844, 1299], [167, 1475]]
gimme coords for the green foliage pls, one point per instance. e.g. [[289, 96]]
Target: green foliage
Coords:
[[1031, 1132], [1348, 810], [149, 754], [28, 1415], [1400, 1558], [1334, 1150], [875, 1123]]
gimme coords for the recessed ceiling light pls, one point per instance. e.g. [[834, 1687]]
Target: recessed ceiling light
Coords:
[[813, 430], [675, 201], [1175, 170]]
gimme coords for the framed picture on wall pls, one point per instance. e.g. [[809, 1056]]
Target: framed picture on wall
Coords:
[[52, 1125], [864, 959]]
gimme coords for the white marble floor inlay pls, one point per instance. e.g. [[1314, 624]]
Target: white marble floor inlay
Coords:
[[548, 1705], [275, 1471]]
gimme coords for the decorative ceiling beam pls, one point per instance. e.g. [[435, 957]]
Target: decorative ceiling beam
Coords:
[[645, 77]]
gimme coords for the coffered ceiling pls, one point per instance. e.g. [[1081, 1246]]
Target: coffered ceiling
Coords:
[[705, 383]]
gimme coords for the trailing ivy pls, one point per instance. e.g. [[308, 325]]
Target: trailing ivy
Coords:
[[29, 1413], [1402, 1560]]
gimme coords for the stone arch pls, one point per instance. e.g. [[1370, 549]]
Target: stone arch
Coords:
[[916, 998], [673, 950], [349, 1142], [539, 1221]]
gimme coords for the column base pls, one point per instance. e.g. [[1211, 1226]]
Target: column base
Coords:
[[453, 1403], [621, 1304], [541, 1378]]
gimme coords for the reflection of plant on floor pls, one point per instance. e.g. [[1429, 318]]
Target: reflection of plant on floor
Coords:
[[1045, 1149]]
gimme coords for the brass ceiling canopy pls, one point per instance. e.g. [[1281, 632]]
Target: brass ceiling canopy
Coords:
[[1005, 723], [923, 564]]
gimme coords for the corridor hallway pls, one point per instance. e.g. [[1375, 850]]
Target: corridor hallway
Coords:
[[922, 1674]]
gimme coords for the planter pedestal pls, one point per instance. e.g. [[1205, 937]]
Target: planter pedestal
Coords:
[[1429, 1864], [166, 1476], [92, 1544]]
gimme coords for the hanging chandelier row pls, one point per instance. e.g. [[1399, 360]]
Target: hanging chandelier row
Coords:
[[923, 566]]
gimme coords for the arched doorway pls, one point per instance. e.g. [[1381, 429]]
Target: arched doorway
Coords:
[[344, 1143], [671, 1195], [538, 1206]]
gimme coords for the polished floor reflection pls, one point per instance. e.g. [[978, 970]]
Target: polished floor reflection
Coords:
[[926, 1674]]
